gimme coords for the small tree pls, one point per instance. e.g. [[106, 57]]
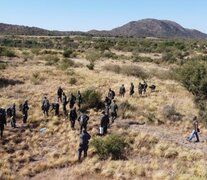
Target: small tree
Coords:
[[92, 56]]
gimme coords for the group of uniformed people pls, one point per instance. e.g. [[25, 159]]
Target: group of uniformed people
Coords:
[[109, 112], [10, 113]]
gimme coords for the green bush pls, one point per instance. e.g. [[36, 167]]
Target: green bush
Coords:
[[72, 81], [90, 66], [193, 76], [124, 107], [91, 99], [67, 53], [131, 70], [3, 66], [66, 63], [51, 60], [110, 146], [7, 52], [112, 67]]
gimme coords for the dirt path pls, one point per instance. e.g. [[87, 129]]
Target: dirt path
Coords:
[[174, 136]]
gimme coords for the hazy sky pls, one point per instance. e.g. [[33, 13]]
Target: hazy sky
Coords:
[[85, 15]]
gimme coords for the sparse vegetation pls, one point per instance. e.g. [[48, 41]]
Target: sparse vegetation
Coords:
[[136, 151], [111, 146]]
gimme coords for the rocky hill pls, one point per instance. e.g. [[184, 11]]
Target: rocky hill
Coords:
[[141, 28], [152, 28]]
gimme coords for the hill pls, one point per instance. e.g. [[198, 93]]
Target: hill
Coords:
[[9, 29], [152, 28], [142, 28]]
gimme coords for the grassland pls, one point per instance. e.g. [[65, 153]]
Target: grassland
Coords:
[[157, 150]]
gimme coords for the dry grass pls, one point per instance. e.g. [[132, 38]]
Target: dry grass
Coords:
[[26, 152]]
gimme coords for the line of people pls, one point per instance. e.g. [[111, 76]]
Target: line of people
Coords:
[[9, 114]]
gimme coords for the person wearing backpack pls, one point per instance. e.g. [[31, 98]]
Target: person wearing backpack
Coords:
[[122, 91], [72, 100], [2, 121], [72, 117], [83, 121], [59, 94], [24, 109], [113, 108], [64, 103], [104, 123], [55, 107], [45, 106], [111, 94], [83, 145]]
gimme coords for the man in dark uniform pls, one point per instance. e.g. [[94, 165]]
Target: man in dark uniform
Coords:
[[55, 107], [104, 122], [140, 89], [64, 103], [13, 116], [111, 94], [2, 121], [83, 145], [83, 120], [24, 109], [131, 89], [45, 106], [72, 100], [107, 103], [59, 94], [145, 87], [122, 90], [72, 117], [113, 108], [79, 99]]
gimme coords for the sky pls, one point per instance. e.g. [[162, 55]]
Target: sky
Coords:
[[84, 15]]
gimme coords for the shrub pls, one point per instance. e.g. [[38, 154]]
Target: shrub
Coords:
[[91, 99], [124, 107], [193, 76], [170, 113], [72, 81], [131, 70], [3, 66], [51, 60], [67, 53], [90, 66], [66, 63], [92, 56], [112, 67], [7, 52], [110, 146], [36, 78]]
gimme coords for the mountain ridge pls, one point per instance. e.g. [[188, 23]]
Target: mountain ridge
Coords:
[[141, 28]]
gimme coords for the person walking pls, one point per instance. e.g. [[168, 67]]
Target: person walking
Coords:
[[83, 145], [195, 130]]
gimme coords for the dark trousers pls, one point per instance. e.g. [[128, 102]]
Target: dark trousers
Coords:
[[2, 130], [72, 123], [45, 112], [64, 109], [13, 122], [72, 105], [25, 116], [84, 126], [82, 148]]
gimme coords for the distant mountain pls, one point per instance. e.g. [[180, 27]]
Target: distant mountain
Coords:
[[141, 28], [152, 28], [8, 29]]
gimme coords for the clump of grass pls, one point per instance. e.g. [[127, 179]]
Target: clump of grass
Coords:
[[124, 108], [129, 70], [66, 63], [170, 113], [91, 99], [72, 81], [36, 78], [110, 146], [51, 60]]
